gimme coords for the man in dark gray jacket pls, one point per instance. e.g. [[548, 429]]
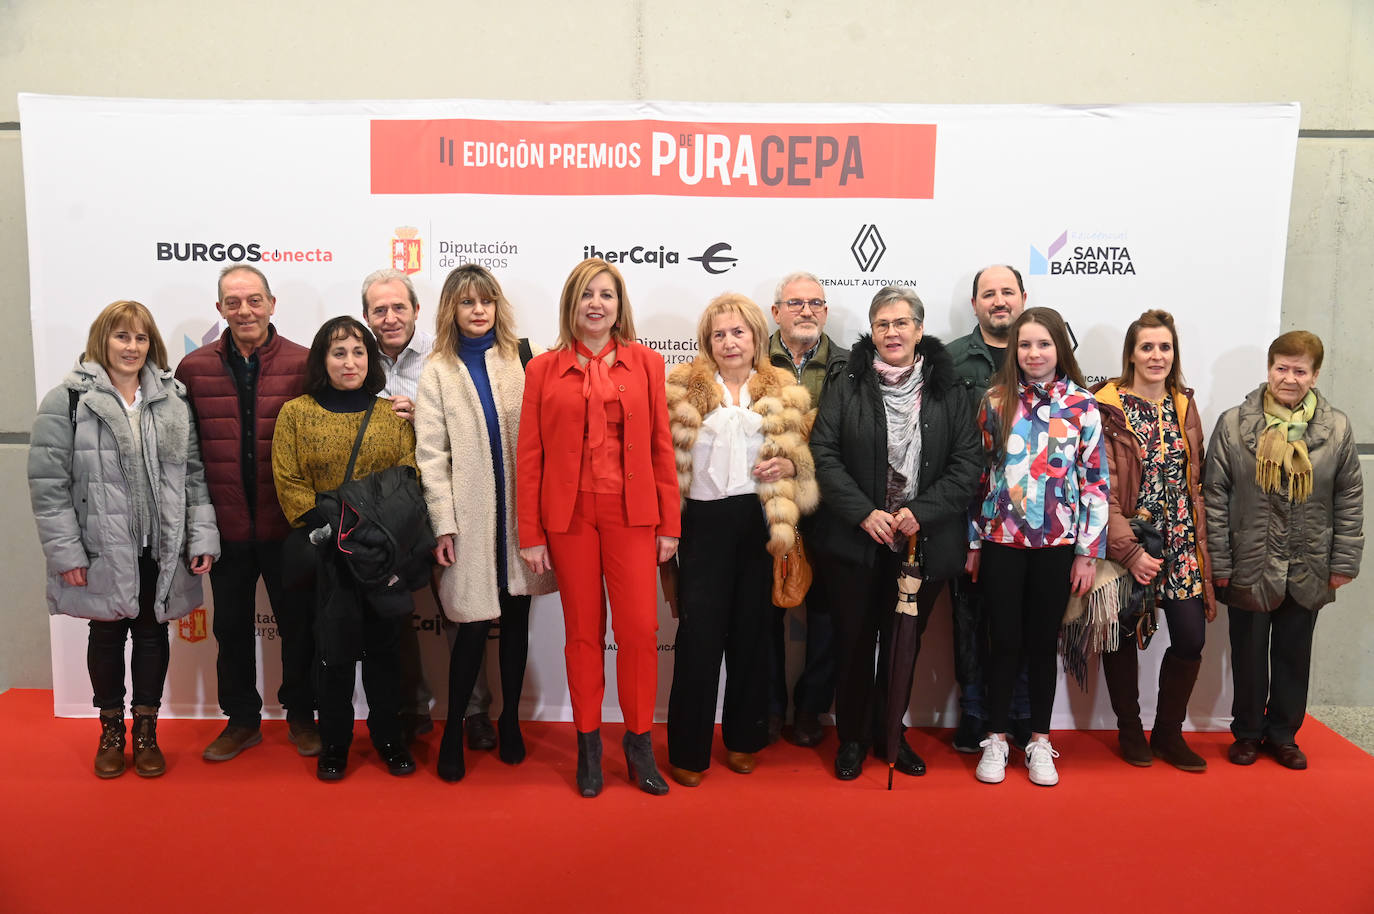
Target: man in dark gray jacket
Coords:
[[999, 297], [802, 347]]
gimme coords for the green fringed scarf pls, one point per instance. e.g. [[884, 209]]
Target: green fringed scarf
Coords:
[[1281, 450]]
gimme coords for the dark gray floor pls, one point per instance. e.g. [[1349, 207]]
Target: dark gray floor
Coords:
[[1355, 724]]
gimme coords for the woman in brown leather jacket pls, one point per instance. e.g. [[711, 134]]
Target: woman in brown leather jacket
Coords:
[[1154, 453]]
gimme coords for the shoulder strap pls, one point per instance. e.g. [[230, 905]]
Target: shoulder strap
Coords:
[[73, 397], [358, 442], [525, 352]]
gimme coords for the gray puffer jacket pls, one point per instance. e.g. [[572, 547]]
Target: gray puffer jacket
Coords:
[[82, 499], [1264, 544]]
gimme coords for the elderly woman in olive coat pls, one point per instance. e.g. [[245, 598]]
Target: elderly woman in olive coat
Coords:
[[1285, 522]]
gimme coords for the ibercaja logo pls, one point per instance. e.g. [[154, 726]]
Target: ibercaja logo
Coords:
[[192, 627], [406, 254]]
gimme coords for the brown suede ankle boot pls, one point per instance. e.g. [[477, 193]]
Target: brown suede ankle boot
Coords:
[[1176, 679], [148, 760], [109, 756], [1121, 669]]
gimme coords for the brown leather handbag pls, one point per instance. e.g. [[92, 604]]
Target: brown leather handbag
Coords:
[[791, 575]]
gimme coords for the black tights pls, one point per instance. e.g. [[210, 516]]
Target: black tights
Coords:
[[465, 658], [1187, 627]]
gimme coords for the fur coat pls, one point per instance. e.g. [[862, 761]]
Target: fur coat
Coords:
[[774, 394]]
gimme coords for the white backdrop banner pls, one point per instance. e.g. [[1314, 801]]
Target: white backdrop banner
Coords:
[[1107, 211]]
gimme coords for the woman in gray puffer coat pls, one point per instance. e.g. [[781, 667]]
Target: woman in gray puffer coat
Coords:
[[124, 516], [1285, 529]]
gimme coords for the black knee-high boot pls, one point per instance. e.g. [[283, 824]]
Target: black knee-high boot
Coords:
[[464, 661], [1176, 680], [1121, 669]]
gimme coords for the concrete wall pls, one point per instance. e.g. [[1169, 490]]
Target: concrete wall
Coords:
[[1320, 53]]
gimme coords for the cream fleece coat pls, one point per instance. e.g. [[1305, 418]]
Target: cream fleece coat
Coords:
[[452, 450], [693, 393]]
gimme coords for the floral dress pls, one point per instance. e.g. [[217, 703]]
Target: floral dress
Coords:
[[1164, 489]]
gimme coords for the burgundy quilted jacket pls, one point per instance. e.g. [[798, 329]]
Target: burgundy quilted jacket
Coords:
[[210, 382]]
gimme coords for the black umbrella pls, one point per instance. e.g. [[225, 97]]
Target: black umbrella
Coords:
[[902, 656]]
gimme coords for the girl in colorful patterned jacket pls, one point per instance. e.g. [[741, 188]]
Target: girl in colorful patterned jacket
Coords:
[[1039, 527]]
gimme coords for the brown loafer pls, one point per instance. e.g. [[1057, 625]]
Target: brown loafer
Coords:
[[305, 736], [684, 777], [740, 762], [1243, 752], [231, 741], [1288, 755]]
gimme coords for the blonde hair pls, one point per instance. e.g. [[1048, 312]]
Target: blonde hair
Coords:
[[447, 336], [749, 312], [581, 276], [133, 315]]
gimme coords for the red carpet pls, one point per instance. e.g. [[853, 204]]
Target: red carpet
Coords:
[[259, 833]]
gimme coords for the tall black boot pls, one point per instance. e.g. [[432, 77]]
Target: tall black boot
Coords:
[[639, 758], [1176, 680], [589, 780], [465, 659], [513, 653], [1121, 669]]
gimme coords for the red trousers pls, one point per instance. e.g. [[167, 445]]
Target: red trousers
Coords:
[[598, 544]]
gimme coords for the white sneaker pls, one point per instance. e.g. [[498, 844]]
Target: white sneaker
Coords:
[[1040, 756], [992, 767]]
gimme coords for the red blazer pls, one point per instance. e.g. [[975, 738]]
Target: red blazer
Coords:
[[553, 421]]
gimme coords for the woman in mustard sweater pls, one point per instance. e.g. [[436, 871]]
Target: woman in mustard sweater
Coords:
[[310, 449]]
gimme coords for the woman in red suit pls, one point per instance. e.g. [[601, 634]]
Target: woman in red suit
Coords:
[[597, 497]]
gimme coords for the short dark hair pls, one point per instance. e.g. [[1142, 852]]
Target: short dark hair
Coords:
[[1298, 343], [1020, 284], [342, 327]]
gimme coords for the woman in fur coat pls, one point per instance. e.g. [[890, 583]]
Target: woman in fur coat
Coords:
[[739, 440]]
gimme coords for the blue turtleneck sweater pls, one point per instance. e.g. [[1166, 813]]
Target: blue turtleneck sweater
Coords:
[[473, 352]]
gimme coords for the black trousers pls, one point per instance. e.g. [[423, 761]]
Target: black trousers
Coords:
[[148, 658], [1025, 592], [815, 688], [234, 584], [381, 684], [864, 599], [724, 600], [1271, 659], [970, 624]]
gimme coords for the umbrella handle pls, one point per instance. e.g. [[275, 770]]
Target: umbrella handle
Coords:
[[911, 550]]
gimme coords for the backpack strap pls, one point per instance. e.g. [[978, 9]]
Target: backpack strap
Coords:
[[525, 353]]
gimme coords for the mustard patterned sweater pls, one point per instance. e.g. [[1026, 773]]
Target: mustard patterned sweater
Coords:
[[310, 449]]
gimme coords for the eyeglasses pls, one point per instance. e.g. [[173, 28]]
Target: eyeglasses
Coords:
[[901, 325], [795, 305]]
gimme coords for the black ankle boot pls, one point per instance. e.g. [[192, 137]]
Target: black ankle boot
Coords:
[[512, 744], [451, 765], [589, 779], [639, 758]]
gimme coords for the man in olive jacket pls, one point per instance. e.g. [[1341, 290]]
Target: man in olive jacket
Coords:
[[999, 297], [801, 345], [236, 385]]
